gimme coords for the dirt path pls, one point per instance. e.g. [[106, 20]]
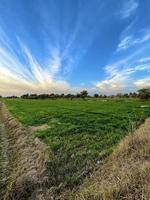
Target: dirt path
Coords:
[[5, 156], [23, 160]]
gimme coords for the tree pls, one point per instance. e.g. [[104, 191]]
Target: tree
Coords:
[[96, 95], [25, 96], [71, 96], [43, 96], [133, 94], [126, 95], [144, 93], [119, 95], [33, 96], [62, 95], [84, 94], [78, 95], [52, 96]]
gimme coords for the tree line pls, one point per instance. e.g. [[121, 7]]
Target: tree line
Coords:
[[142, 94]]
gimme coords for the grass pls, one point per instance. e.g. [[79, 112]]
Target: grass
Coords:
[[125, 174], [81, 133], [7, 157]]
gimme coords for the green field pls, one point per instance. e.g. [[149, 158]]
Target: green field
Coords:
[[81, 133]]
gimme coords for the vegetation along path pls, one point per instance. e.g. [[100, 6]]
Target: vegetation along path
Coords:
[[22, 161], [6, 155]]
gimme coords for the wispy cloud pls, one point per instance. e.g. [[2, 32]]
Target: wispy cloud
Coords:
[[63, 47], [124, 74], [72, 41], [129, 40], [119, 79], [145, 59], [142, 83], [125, 43], [144, 38], [129, 7], [16, 77]]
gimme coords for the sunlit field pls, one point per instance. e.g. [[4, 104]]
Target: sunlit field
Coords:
[[80, 133]]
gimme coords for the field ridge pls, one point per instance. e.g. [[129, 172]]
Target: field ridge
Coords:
[[28, 177], [125, 174]]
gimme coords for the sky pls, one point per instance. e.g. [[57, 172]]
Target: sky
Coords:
[[65, 46]]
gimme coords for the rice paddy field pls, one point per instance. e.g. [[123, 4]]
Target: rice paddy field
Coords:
[[80, 134]]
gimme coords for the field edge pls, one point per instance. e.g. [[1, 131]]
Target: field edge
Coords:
[[125, 174], [29, 177]]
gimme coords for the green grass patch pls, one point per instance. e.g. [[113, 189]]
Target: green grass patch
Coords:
[[81, 132]]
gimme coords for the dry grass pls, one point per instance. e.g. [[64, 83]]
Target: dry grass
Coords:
[[29, 177], [126, 174], [43, 127]]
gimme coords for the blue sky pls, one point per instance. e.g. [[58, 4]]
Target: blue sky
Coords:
[[65, 46]]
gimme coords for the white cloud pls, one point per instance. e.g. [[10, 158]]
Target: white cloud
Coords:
[[145, 59], [129, 41], [17, 78], [142, 83], [144, 38], [125, 43], [110, 86], [129, 8], [115, 82], [55, 62], [119, 77]]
